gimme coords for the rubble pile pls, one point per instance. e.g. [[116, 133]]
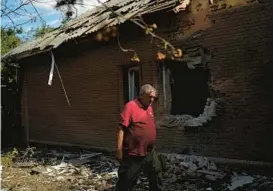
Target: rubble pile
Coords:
[[193, 166], [181, 121], [88, 171], [97, 171]]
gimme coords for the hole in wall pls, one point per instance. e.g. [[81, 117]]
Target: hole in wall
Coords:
[[189, 88], [189, 100]]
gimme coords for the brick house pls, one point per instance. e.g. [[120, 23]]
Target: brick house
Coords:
[[217, 101]]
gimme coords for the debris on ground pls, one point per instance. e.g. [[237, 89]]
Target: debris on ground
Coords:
[[239, 181], [35, 169]]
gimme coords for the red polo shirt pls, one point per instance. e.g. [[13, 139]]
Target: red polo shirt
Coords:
[[139, 128]]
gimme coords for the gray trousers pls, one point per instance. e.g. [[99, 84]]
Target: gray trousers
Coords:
[[131, 167]]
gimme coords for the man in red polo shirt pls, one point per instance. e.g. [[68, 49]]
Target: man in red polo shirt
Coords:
[[135, 142]]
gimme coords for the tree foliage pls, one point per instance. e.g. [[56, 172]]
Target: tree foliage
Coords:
[[10, 104], [9, 39]]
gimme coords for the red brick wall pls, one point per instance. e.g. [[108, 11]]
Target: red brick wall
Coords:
[[93, 82], [241, 42]]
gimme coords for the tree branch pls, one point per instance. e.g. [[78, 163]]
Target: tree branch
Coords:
[[42, 20], [10, 19], [123, 49], [143, 25], [11, 12], [14, 10]]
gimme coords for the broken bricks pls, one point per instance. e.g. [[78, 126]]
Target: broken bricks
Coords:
[[95, 171]]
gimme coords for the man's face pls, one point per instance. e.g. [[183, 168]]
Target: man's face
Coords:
[[148, 99]]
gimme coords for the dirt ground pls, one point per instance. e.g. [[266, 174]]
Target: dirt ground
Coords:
[[14, 178], [59, 170], [43, 170]]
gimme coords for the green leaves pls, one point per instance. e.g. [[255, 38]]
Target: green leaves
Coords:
[[9, 40]]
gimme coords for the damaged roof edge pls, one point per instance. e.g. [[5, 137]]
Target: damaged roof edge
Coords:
[[93, 20], [9, 59]]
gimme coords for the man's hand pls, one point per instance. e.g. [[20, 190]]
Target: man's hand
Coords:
[[119, 154]]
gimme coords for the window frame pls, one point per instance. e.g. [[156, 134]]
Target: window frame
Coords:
[[132, 94]]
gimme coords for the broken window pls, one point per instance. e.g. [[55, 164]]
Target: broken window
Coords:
[[186, 90], [131, 83], [188, 87]]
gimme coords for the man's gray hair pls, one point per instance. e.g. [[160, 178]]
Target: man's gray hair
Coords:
[[146, 89]]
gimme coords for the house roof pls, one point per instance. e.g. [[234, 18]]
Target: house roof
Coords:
[[89, 22]]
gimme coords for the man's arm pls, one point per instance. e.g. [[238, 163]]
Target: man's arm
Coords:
[[124, 123], [120, 134]]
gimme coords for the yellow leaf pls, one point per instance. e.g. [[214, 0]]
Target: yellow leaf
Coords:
[[154, 26], [99, 36], [177, 53], [160, 56], [135, 58], [148, 30], [165, 46]]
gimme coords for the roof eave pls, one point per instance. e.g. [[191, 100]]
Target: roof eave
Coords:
[[15, 58]]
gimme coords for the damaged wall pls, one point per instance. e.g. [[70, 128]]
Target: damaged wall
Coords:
[[240, 40], [186, 90]]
